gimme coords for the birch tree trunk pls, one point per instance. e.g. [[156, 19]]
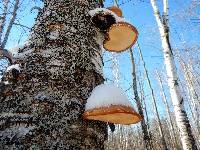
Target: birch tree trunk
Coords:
[[168, 110], [147, 122], [194, 96], [42, 106], [146, 137], [182, 121], [164, 145]]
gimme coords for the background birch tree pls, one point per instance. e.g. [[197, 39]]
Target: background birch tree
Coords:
[[182, 121]]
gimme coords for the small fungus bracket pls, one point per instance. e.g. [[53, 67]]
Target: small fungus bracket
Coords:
[[13, 73], [103, 18], [103, 21]]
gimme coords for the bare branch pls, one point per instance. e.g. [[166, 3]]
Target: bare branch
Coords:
[[37, 8], [21, 25]]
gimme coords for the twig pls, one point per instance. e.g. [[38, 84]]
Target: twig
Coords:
[[18, 24]]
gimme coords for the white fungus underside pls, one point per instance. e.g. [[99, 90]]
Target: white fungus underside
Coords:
[[106, 95]]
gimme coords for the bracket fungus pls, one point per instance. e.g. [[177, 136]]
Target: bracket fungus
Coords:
[[119, 34], [13, 72], [116, 10], [103, 21], [109, 104]]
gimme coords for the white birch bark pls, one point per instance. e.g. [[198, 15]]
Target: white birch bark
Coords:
[[193, 100], [182, 121], [194, 96]]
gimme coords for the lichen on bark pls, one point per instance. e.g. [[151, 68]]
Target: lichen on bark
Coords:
[[42, 107]]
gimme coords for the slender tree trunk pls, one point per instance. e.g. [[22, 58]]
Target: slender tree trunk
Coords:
[[3, 18], [146, 114], [194, 100], [139, 105], [196, 132], [42, 106], [12, 20], [182, 121], [194, 96], [168, 110], [153, 101]]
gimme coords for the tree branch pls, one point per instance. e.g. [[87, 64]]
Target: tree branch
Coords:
[[21, 25]]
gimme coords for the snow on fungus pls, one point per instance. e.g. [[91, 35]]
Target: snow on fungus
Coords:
[[103, 18], [116, 10], [93, 12], [121, 36], [96, 11], [108, 103], [15, 66]]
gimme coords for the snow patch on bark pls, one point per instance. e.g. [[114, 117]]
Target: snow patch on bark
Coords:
[[16, 49], [24, 54], [56, 63], [16, 132], [53, 35], [6, 115], [105, 11], [98, 62], [105, 95]]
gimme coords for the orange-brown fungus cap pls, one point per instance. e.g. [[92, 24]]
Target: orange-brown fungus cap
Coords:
[[121, 36], [117, 114], [116, 10]]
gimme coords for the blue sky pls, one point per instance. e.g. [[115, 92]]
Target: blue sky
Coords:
[[183, 32]]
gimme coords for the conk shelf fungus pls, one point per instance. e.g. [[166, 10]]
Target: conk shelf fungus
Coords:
[[41, 105], [108, 103]]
